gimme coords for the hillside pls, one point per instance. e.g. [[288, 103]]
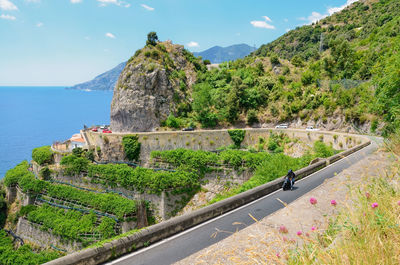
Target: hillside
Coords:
[[219, 54], [348, 80], [104, 81]]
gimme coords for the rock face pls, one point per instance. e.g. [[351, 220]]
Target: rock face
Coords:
[[155, 82]]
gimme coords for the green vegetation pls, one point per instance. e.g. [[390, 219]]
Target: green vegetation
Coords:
[[142, 179], [344, 64], [42, 155], [131, 146], [23, 255], [108, 203], [70, 224], [323, 150], [73, 165], [237, 136], [152, 38], [3, 207]]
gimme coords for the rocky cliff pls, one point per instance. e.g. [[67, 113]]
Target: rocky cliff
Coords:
[[155, 83]]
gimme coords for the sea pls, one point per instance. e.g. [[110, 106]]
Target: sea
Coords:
[[35, 116]]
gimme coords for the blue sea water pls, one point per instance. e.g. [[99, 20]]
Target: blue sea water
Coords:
[[35, 116]]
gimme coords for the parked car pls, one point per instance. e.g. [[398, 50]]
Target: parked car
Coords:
[[95, 129], [311, 128], [107, 131], [188, 129], [282, 126]]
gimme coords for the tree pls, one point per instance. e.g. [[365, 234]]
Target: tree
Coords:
[[152, 38]]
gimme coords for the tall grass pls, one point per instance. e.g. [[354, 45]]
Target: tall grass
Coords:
[[366, 232]]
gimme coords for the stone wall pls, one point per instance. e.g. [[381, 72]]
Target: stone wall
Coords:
[[32, 233], [167, 204], [209, 140]]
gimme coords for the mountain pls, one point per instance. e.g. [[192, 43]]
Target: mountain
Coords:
[[340, 73], [219, 54], [105, 81]]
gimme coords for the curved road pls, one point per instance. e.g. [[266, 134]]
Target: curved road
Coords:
[[179, 246]]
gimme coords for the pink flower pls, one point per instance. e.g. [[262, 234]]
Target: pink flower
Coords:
[[313, 228], [374, 205], [333, 202], [285, 239], [307, 234], [313, 200], [367, 195], [299, 233], [283, 229], [398, 203], [277, 255]]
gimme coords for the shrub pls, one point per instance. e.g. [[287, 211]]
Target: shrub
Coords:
[[45, 173], [131, 146], [252, 116], [323, 150], [42, 155], [74, 165], [173, 122], [237, 136], [274, 59]]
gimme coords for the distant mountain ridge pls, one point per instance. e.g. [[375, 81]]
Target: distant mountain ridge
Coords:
[[216, 54], [104, 81], [219, 54]]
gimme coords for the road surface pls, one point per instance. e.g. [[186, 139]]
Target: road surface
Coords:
[[184, 244]]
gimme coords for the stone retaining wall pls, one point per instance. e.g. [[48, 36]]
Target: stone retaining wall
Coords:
[[178, 224], [208, 140], [32, 233]]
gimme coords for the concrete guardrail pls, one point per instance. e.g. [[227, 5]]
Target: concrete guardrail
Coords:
[[178, 224]]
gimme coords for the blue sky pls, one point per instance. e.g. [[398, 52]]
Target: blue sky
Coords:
[[63, 42]]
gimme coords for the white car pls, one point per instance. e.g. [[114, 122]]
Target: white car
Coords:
[[282, 126], [311, 128]]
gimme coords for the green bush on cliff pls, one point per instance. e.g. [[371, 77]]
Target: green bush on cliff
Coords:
[[42, 155], [15, 174], [237, 136], [73, 165], [131, 146]]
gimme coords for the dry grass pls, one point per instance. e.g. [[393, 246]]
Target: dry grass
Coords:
[[360, 234]]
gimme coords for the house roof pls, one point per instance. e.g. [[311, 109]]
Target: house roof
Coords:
[[81, 140], [77, 138]]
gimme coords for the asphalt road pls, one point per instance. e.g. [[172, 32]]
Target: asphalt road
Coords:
[[179, 246]]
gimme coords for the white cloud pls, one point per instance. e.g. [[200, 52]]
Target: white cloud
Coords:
[[315, 16], [76, 1], [110, 35], [149, 8], [114, 2], [262, 24], [39, 24], [286, 20], [267, 19], [7, 5], [193, 44], [7, 17]]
